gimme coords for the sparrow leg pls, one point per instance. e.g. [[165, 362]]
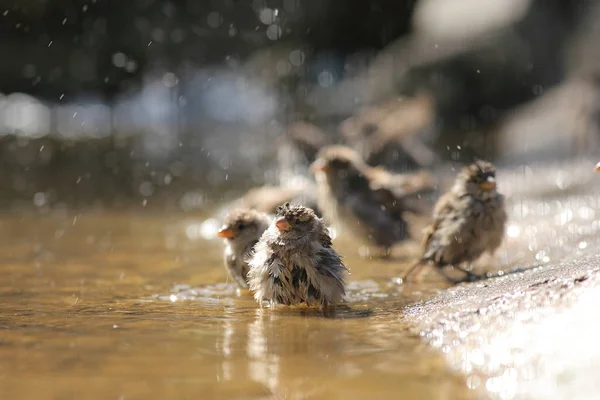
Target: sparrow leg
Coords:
[[449, 278], [413, 270], [471, 276], [387, 252]]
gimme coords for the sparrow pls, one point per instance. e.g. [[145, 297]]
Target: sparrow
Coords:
[[294, 261], [369, 202], [467, 221], [597, 168], [388, 133], [241, 230]]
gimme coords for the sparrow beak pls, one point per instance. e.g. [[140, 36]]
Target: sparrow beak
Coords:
[[597, 169], [489, 184], [318, 166], [282, 225], [226, 233]]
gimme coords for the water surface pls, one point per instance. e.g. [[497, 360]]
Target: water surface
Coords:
[[135, 305]]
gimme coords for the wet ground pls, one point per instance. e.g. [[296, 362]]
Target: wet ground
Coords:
[[136, 305]]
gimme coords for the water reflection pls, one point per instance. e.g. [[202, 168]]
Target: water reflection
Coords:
[[133, 305]]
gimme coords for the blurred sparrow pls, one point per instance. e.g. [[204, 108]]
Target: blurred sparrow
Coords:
[[294, 263], [467, 221], [597, 168], [369, 202], [241, 230], [388, 133], [301, 143]]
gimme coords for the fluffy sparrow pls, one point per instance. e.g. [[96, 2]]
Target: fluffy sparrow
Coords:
[[241, 230], [369, 202], [467, 221], [294, 263]]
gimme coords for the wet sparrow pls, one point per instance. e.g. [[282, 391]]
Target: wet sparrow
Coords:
[[369, 202], [467, 221], [294, 263], [241, 230]]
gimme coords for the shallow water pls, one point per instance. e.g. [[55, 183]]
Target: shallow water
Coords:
[[136, 305], [130, 305]]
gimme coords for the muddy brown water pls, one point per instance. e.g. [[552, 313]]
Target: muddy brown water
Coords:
[[135, 306]]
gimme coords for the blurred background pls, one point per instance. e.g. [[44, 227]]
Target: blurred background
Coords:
[[175, 104]]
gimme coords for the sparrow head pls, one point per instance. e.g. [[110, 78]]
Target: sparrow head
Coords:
[[478, 179], [338, 162], [243, 226], [295, 221]]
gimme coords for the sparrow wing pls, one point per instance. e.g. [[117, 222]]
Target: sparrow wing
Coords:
[[443, 209], [451, 237]]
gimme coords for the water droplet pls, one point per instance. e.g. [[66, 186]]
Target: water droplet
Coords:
[[146, 189], [473, 382], [39, 199], [513, 231], [131, 66], [325, 78], [296, 57], [332, 232], [214, 19], [274, 32], [170, 80], [119, 60], [232, 30], [267, 15]]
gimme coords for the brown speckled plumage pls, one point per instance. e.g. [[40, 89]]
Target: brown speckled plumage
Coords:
[[297, 265], [369, 202], [246, 227], [468, 221]]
